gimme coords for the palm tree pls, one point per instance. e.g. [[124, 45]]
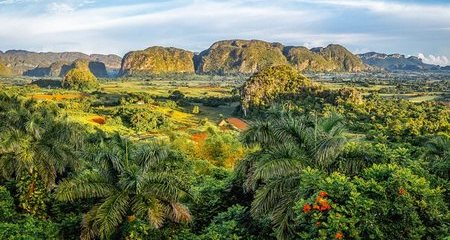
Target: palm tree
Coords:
[[34, 138], [438, 154], [130, 181], [36, 144], [287, 144]]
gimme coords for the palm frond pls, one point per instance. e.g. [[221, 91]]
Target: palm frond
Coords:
[[164, 186], [86, 185], [150, 156], [259, 133], [277, 199], [268, 197], [178, 212], [111, 213], [89, 230]]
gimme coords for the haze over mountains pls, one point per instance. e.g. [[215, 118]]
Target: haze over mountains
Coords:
[[223, 57], [55, 64], [392, 62]]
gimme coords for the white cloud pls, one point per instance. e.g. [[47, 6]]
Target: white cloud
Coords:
[[190, 25], [60, 8], [310, 39], [82, 25], [9, 2], [433, 13], [436, 60]]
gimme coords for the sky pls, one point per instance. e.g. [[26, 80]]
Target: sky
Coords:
[[410, 27]]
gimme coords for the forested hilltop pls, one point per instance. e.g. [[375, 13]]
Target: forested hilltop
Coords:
[[226, 57], [242, 57], [277, 155]]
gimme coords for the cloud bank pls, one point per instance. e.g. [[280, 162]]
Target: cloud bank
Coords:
[[436, 60]]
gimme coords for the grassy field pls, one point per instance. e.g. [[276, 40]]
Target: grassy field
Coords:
[[100, 114], [164, 88], [104, 101]]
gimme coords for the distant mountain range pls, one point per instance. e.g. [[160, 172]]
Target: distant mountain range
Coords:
[[239, 56], [27, 63], [394, 62], [223, 57]]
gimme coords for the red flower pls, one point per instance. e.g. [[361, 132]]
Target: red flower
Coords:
[[324, 206], [306, 208], [401, 191], [323, 194], [339, 235], [318, 223]]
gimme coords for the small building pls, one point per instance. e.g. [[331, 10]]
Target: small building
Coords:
[[233, 123]]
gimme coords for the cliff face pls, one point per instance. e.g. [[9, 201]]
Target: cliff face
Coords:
[[157, 60], [98, 69], [243, 56], [223, 57], [59, 69], [240, 56], [40, 64], [304, 59], [341, 57], [111, 61], [5, 71]]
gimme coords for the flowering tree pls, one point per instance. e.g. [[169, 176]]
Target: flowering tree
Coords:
[[386, 202]]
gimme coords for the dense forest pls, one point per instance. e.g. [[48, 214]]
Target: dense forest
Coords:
[[312, 162]]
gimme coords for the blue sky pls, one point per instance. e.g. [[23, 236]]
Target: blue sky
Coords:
[[411, 27]]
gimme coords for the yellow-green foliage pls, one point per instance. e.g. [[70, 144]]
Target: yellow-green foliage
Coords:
[[221, 148], [303, 59], [4, 70], [344, 59], [196, 110], [80, 63], [158, 60], [241, 56], [265, 86], [80, 78]]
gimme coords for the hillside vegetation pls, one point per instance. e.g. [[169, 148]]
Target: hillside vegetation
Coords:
[[240, 56], [226, 57], [304, 59], [264, 87], [243, 56], [4, 70], [157, 60], [344, 60], [38, 64], [79, 76]]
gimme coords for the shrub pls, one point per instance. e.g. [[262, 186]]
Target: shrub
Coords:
[[387, 202], [196, 110], [29, 228], [7, 207], [4, 70], [15, 226], [79, 79], [143, 120], [228, 225]]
